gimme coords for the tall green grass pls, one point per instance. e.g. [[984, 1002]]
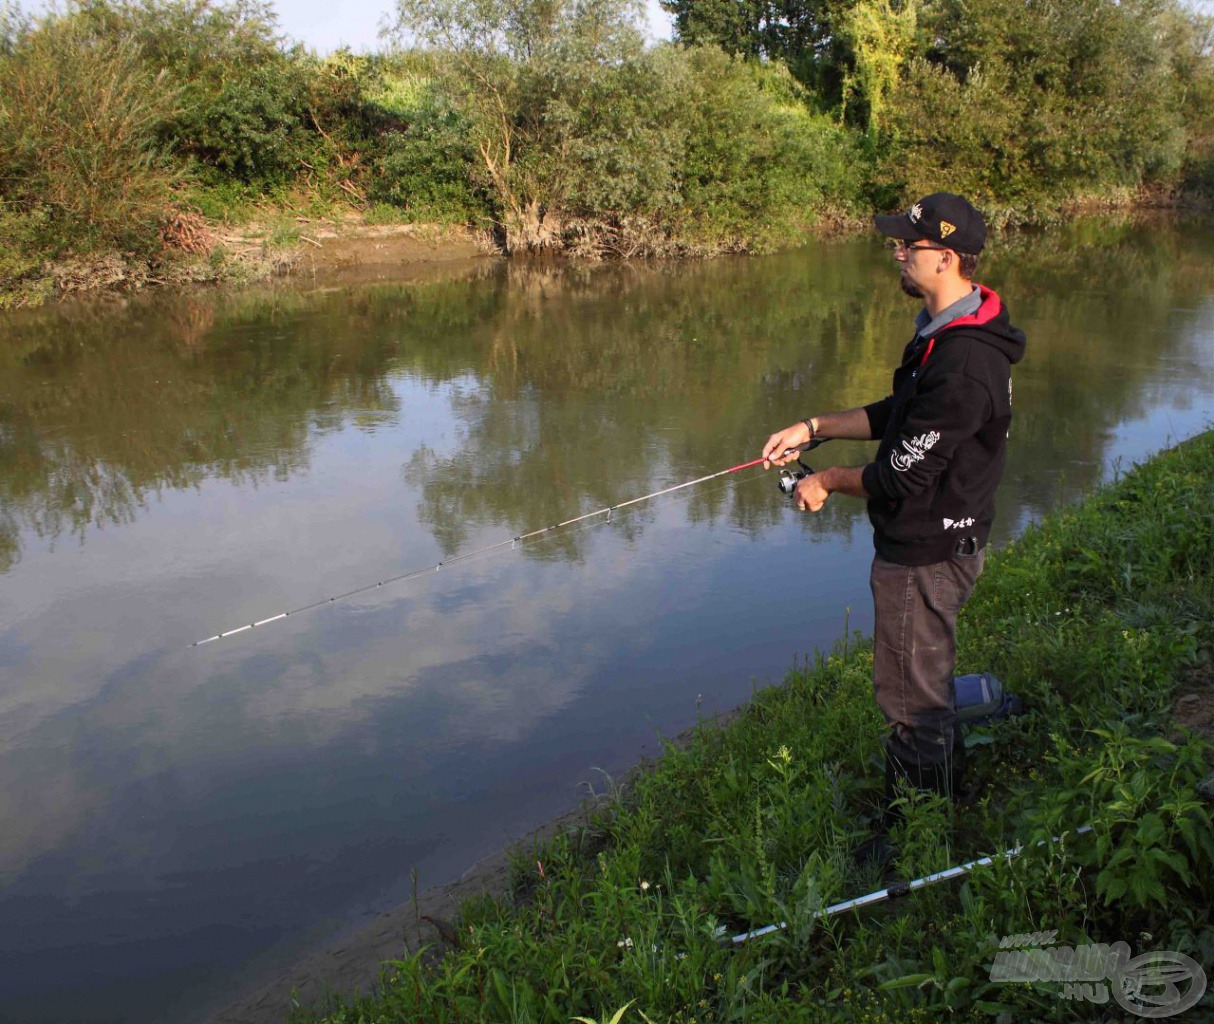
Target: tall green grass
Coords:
[[1094, 616]]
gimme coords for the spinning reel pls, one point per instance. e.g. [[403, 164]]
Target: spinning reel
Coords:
[[789, 478]]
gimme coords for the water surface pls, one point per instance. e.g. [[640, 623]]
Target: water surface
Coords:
[[175, 820]]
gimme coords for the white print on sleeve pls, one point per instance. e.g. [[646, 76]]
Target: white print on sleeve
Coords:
[[958, 524], [916, 448]]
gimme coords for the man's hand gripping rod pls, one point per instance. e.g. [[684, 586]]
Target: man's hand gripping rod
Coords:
[[789, 478]]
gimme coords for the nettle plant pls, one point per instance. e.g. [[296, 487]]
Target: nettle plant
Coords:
[[1154, 835], [1144, 875]]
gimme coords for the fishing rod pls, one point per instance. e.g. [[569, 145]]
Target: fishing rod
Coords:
[[901, 888], [787, 481]]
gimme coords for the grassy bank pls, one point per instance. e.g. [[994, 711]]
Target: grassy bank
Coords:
[[1099, 617], [135, 133]]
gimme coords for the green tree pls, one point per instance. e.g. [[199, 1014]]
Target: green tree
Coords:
[[588, 141], [807, 35], [1026, 103], [882, 39], [1188, 38], [245, 101], [425, 160], [759, 163], [515, 66]]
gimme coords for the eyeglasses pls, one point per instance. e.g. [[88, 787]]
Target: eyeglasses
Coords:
[[895, 244]]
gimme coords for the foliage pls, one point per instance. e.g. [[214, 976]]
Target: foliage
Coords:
[[1188, 38], [426, 165], [586, 140], [244, 97], [1093, 614], [553, 122], [758, 164], [882, 39], [517, 70], [1025, 106], [807, 35], [993, 102], [22, 249], [80, 164], [1154, 830]]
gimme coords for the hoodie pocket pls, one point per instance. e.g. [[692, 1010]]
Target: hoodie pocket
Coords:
[[929, 523]]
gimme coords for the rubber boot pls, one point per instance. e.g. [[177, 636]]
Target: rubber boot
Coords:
[[878, 849], [957, 790], [945, 778]]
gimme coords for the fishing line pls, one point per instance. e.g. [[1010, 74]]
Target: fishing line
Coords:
[[603, 514]]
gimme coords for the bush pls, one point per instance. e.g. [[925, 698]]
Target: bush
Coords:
[[1188, 39], [621, 135], [760, 165], [689, 150], [81, 162], [21, 261], [581, 138], [243, 108], [425, 160]]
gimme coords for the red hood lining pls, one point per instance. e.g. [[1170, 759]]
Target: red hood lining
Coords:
[[991, 304]]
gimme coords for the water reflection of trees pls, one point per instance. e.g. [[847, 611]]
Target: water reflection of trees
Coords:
[[620, 386], [603, 384], [1106, 300], [575, 388], [100, 412]]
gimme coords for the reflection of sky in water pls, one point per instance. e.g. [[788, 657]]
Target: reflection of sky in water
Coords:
[[170, 813], [1173, 399], [1179, 393]]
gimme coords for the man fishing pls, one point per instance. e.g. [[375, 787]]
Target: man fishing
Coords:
[[930, 488]]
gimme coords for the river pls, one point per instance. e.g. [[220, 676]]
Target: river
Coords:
[[177, 821]]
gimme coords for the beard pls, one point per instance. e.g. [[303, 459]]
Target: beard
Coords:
[[909, 287]]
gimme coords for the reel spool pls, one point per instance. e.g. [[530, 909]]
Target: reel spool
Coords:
[[789, 478]]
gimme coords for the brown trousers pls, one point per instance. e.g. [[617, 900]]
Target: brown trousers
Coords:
[[915, 652]]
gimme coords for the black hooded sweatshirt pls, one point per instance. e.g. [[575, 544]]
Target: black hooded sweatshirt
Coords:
[[943, 438]]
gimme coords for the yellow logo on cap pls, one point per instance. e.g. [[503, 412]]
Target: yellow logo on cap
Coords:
[[946, 229]]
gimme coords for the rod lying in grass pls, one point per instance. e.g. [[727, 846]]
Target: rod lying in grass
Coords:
[[900, 888]]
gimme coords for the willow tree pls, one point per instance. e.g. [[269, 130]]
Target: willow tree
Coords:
[[1025, 103], [513, 65]]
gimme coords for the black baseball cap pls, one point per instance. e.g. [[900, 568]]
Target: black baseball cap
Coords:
[[943, 218]]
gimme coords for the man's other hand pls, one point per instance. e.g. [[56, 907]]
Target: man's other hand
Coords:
[[810, 494], [779, 443]]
